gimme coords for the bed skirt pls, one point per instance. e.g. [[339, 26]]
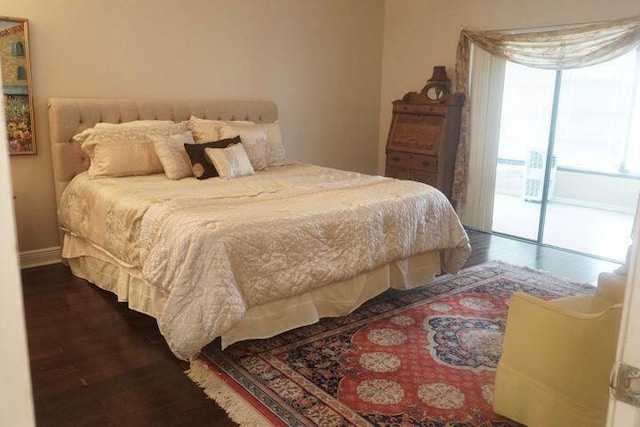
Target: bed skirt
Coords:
[[264, 321]]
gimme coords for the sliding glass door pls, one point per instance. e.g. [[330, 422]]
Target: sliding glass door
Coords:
[[524, 136], [569, 149]]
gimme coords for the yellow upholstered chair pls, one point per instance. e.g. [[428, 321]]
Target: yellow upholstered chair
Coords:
[[557, 357]]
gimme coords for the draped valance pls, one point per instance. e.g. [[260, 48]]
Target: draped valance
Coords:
[[577, 46]]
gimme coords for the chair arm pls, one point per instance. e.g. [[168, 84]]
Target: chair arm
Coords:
[[567, 351], [612, 286]]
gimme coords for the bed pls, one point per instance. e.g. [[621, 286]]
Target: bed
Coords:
[[244, 258]]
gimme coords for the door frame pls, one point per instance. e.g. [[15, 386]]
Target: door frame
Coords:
[[622, 414]]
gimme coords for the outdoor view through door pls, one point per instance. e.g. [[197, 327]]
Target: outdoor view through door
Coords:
[[568, 171]]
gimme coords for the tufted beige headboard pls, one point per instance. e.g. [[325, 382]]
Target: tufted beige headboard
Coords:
[[68, 116]]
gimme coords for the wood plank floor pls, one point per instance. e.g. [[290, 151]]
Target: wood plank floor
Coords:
[[94, 362]]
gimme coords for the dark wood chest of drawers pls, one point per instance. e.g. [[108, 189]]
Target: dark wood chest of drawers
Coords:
[[423, 140]]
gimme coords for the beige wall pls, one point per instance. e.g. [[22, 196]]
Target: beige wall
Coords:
[[422, 33], [320, 60]]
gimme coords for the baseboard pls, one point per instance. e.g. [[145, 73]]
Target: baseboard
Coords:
[[39, 257]]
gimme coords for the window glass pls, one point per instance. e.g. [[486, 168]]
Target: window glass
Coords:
[[596, 116], [21, 73], [526, 111], [598, 122]]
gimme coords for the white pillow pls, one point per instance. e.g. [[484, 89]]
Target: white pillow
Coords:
[[173, 157], [205, 130], [122, 159], [123, 150], [254, 139], [139, 123], [152, 126], [230, 162], [257, 152], [276, 155]]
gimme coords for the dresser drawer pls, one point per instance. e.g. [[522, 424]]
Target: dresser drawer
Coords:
[[427, 178], [436, 110], [399, 173], [416, 133], [412, 161]]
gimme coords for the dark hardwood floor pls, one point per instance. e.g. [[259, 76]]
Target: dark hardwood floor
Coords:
[[94, 362]]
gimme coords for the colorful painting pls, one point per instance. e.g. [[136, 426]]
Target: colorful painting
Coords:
[[16, 85]]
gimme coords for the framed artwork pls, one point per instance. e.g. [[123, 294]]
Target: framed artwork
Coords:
[[16, 85]]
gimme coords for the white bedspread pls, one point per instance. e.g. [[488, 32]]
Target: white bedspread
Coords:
[[218, 247]]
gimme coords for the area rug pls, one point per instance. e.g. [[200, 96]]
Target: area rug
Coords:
[[425, 357]]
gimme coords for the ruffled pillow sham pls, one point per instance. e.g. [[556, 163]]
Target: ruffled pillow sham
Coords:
[[254, 139], [119, 150], [276, 155], [253, 134], [205, 130]]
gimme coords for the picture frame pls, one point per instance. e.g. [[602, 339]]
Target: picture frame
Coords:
[[17, 91]]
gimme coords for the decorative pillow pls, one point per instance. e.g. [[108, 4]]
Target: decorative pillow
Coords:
[[140, 123], [230, 162], [276, 155], [123, 159], [123, 150], [208, 130], [164, 127], [257, 152], [254, 139], [201, 167], [204, 130], [172, 154]]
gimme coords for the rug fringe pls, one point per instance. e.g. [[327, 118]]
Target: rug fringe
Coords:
[[238, 409], [570, 282]]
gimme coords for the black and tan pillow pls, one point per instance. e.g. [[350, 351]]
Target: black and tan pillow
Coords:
[[201, 166]]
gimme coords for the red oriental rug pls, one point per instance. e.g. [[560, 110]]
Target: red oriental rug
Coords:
[[425, 357]]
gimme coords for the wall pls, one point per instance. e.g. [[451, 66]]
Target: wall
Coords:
[[321, 62], [422, 33]]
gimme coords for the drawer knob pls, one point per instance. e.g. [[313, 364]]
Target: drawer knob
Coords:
[[395, 159], [426, 164]]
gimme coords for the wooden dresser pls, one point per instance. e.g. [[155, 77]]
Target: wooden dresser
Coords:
[[423, 140]]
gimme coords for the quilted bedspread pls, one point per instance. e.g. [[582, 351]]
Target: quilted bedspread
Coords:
[[219, 247]]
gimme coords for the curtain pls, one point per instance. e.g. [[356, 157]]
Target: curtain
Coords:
[[579, 46], [486, 87]]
